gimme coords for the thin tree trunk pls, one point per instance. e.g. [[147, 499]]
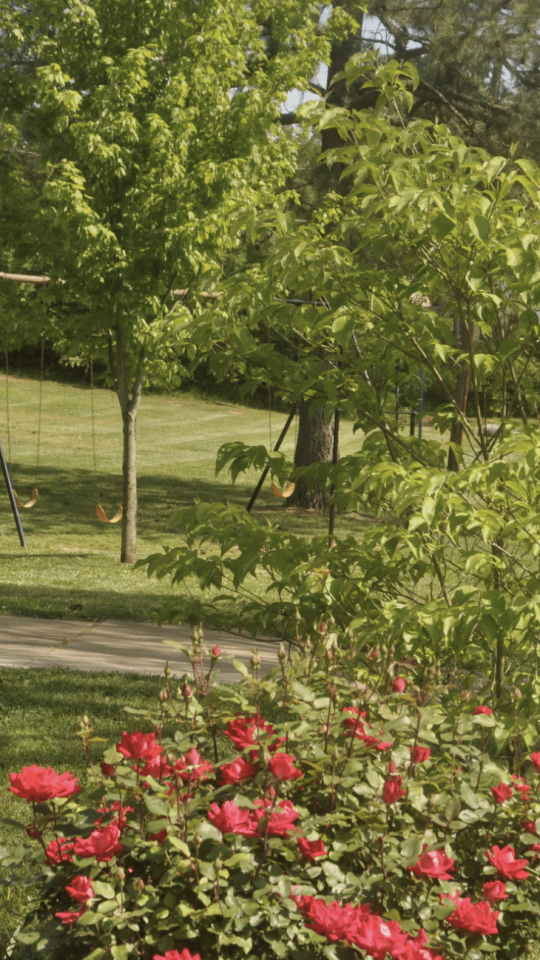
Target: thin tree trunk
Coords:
[[460, 400], [129, 405]]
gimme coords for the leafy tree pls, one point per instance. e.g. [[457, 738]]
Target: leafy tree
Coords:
[[478, 66], [431, 231], [154, 123]]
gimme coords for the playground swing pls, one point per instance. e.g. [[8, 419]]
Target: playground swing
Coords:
[[34, 496], [100, 512]]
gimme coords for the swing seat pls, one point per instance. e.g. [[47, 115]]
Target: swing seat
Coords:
[[101, 515], [287, 491], [29, 503]]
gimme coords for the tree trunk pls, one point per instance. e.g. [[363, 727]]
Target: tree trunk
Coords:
[[315, 443], [461, 398], [129, 401]]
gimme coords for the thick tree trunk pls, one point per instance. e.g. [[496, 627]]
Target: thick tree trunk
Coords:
[[315, 443], [129, 401], [315, 435]]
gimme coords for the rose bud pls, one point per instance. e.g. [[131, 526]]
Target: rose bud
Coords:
[[399, 684], [186, 691], [216, 652], [374, 655]]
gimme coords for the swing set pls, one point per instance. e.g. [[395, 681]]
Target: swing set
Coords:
[[16, 503]]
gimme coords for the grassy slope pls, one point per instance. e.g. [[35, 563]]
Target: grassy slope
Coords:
[[71, 567]]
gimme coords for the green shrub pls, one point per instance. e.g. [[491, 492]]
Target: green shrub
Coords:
[[335, 809]]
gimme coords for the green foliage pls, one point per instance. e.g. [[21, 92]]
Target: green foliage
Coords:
[[387, 774], [432, 236]]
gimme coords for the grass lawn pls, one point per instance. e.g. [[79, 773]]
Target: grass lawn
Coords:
[[71, 568]]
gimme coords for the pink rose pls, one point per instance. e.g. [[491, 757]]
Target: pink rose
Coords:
[[192, 768], [275, 820], [281, 766], [248, 731], [215, 652], [60, 850], [80, 889], [174, 955], [399, 684], [433, 864], [103, 844], [70, 916], [520, 785], [474, 917], [495, 890], [505, 861], [231, 819], [42, 783], [239, 769], [139, 746]]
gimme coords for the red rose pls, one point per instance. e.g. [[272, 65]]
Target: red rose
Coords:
[[216, 652], [331, 920], [139, 746], [392, 791], [158, 837], [174, 955], [117, 808], [505, 861], [60, 850], [378, 937], [363, 731], [107, 769], [103, 844], [433, 864], [191, 767], [158, 768], [495, 890], [70, 916], [278, 820], [474, 917], [502, 792], [519, 784], [535, 757], [281, 767], [487, 710], [248, 731], [311, 849], [399, 684], [416, 949], [42, 783], [420, 754], [239, 769], [80, 889], [231, 819]]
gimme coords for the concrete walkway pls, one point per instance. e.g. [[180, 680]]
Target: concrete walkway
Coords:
[[118, 645]]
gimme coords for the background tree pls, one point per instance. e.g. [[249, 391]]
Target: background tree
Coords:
[[152, 123], [479, 71]]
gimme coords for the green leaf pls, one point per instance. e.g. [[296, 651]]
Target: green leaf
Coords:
[[480, 227], [471, 799]]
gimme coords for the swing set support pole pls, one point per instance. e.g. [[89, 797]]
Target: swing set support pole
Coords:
[[264, 474], [332, 511], [11, 495]]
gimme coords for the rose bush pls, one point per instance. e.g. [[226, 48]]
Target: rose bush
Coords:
[[299, 816]]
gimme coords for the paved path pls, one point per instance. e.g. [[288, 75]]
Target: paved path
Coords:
[[117, 645]]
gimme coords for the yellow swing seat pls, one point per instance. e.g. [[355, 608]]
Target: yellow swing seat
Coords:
[[287, 491], [34, 496], [101, 515]]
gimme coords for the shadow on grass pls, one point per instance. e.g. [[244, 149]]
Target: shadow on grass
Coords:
[[67, 503]]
